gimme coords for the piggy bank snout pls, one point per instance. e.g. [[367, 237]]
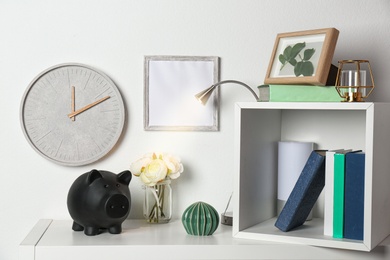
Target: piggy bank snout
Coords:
[[117, 206]]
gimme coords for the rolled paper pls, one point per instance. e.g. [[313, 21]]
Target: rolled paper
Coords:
[[292, 157]]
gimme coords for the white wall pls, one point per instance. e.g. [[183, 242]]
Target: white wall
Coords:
[[114, 36]]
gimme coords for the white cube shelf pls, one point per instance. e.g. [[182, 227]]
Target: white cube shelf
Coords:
[[259, 127]]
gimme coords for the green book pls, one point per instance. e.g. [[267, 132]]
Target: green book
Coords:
[[338, 195], [298, 93]]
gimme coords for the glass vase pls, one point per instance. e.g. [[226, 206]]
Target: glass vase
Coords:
[[158, 202]]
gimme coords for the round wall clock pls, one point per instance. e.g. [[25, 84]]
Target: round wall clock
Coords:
[[72, 114]]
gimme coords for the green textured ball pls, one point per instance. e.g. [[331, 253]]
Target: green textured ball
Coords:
[[200, 219]]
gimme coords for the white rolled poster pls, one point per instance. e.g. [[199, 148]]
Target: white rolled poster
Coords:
[[292, 157]]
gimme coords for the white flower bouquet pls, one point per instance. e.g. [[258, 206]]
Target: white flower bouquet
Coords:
[[155, 171]]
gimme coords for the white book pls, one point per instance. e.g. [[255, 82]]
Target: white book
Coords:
[[329, 186]]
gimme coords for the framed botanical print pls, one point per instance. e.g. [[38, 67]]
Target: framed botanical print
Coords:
[[303, 57]]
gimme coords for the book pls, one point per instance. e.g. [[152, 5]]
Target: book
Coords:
[[305, 193], [329, 189], [354, 196], [338, 194], [298, 93]]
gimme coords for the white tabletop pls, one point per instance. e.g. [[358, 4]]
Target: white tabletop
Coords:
[[55, 239]]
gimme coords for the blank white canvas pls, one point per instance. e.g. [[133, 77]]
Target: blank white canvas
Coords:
[[172, 87]]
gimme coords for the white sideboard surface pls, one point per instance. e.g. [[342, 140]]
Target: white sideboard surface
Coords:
[[55, 239]]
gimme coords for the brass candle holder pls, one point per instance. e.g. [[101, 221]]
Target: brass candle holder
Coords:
[[351, 84]]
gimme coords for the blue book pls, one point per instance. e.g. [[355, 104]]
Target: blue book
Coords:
[[354, 196], [305, 193], [339, 194]]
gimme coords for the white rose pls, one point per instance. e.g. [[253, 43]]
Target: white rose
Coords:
[[175, 168], [154, 172], [138, 166]]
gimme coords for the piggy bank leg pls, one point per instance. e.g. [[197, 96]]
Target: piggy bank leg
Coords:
[[91, 231], [77, 227], [117, 229]]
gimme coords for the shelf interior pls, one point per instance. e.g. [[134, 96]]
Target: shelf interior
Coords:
[[260, 131], [310, 233]]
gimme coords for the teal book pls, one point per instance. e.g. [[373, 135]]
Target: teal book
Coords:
[[305, 193], [298, 93], [354, 196], [338, 194]]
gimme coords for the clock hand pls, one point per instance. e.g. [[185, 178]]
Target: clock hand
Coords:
[[75, 113], [72, 105]]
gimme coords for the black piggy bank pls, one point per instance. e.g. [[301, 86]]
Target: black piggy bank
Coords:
[[99, 200]]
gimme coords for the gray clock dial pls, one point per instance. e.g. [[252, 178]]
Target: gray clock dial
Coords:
[[72, 114]]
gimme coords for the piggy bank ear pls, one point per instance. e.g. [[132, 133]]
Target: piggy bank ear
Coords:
[[124, 177], [93, 175]]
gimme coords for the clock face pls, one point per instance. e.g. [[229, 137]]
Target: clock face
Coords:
[[72, 114]]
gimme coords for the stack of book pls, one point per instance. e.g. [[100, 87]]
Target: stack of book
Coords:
[[344, 197], [342, 174]]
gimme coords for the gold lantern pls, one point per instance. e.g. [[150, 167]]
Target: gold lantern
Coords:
[[352, 84]]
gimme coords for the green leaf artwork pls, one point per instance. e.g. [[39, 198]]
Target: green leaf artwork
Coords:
[[302, 67]]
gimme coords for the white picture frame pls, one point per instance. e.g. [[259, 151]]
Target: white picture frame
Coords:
[[170, 85]]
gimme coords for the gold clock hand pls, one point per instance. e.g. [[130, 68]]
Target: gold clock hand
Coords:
[[75, 113], [72, 105]]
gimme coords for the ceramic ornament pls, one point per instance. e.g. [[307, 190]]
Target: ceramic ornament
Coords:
[[200, 219]]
